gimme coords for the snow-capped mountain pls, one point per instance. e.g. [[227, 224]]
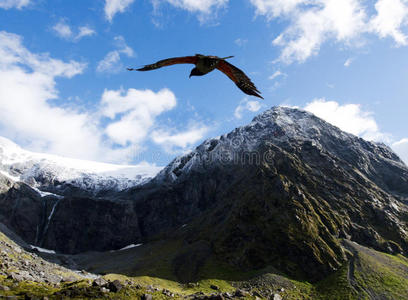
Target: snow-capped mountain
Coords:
[[282, 126], [285, 178], [51, 173]]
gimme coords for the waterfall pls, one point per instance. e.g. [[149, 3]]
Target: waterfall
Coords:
[[48, 220]]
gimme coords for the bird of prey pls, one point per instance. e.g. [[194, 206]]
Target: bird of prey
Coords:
[[205, 64]]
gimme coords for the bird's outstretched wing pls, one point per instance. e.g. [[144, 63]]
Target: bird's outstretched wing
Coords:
[[239, 78], [168, 62]]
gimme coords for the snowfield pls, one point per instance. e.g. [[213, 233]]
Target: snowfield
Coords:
[[41, 170]]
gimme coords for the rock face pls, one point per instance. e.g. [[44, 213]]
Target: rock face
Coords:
[[281, 191], [82, 224], [67, 224]]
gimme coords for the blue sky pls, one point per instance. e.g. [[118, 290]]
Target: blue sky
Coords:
[[64, 88]]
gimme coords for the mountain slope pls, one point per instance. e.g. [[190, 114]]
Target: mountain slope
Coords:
[[280, 191]]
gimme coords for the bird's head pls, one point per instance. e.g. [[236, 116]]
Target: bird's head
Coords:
[[195, 72]]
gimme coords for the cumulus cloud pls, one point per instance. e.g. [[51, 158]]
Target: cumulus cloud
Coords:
[[174, 142], [19, 4], [25, 93], [313, 22], [112, 7], [134, 112], [111, 62], [311, 26], [348, 117], [391, 16], [123, 121], [64, 31], [401, 148], [246, 105]]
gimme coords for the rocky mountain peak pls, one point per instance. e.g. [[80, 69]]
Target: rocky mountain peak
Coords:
[[289, 129]]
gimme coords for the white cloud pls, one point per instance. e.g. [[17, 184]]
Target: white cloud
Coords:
[[206, 9], [275, 8], [115, 132], [19, 4], [401, 148], [84, 31], [112, 7], [203, 6], [314, 22], [246, 105], [136, 112], [111, 62], [27, 84], [179, 141], [64, 31], [348, 117], [348, 62], [391, 16], [241, 42], [122, 46], [277, 74]]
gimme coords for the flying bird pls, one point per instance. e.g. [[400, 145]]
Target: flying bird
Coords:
[[205, 64]]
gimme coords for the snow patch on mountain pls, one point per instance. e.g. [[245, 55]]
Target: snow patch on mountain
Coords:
[[41, 171]]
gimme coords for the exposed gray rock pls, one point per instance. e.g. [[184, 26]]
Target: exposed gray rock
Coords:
[[240, 293], [146, 297], [276, 297], [99, 282]]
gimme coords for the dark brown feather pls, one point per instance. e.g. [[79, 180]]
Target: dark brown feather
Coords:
[[169, 62], [239, 78]]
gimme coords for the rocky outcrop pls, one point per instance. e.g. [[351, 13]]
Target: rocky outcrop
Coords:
[[20, 265]]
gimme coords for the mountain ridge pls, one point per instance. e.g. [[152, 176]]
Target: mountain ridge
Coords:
[[53, 174]]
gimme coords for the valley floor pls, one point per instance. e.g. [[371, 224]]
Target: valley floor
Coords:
[[25, 275]]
